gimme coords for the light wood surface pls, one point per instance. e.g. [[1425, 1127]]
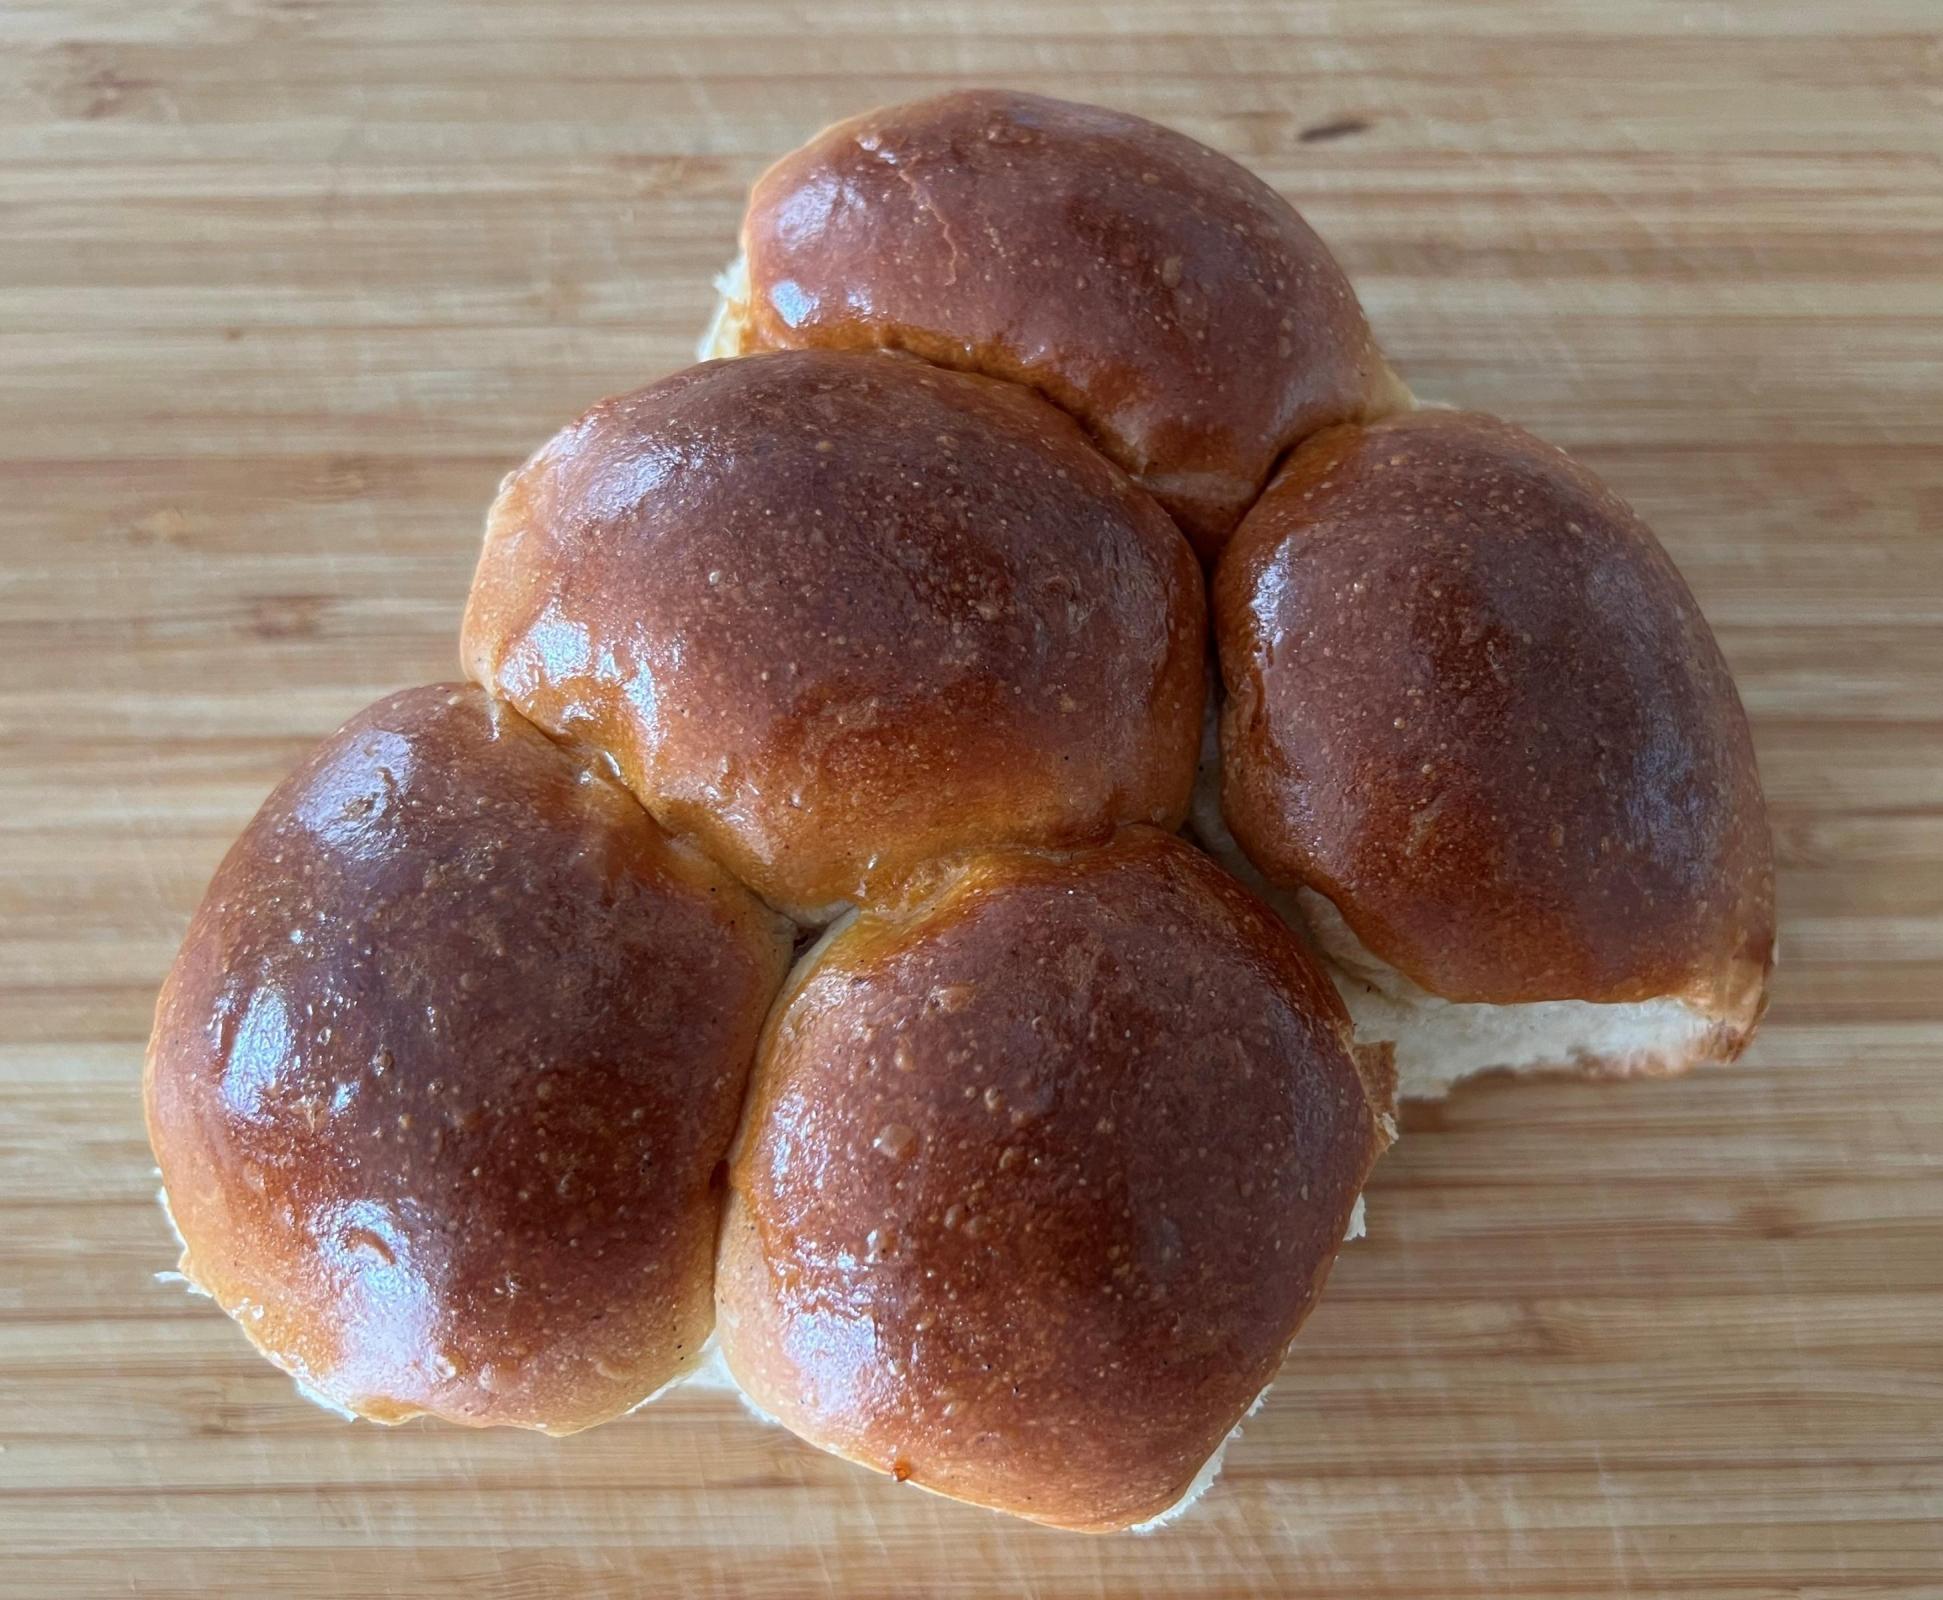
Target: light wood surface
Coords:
[[286, 286]]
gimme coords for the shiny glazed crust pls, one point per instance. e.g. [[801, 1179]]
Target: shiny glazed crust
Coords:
[[1470, 700], [1049, 1148], [834, 615], [1041, 1171], [442, 1073], [1163, 295]]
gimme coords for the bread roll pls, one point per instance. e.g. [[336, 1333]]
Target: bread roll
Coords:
[[1476, 723], [441, 1076], [1053, 1137], [1041, 1171], [835, 614], [1170, 300]]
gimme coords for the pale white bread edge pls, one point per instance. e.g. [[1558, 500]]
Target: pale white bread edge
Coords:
[[1440, 1042], [723, 336]]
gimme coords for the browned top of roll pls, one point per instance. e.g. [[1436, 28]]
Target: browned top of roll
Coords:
[[1040, 1173], [836, 614], [1473, 703], [443, 1070], [1166, 297]]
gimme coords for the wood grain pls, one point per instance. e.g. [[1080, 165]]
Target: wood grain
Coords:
[[286, 286]]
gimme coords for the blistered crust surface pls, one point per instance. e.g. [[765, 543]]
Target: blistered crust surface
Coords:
[[1165, 296], [442, 1072], [1470, 700], [1039, 1176], [835, 615]]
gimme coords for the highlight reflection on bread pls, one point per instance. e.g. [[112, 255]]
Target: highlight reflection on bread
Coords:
[[479, 1088]]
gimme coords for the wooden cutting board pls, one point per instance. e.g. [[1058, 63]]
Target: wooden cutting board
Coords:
[[287, 285]]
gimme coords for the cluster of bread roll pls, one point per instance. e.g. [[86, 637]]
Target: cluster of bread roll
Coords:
[[484, 1086]]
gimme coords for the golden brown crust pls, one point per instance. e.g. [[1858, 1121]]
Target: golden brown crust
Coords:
[[1471, 701], [836, 614], [441, 1075], [1040, 1173], [1167, 298]]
